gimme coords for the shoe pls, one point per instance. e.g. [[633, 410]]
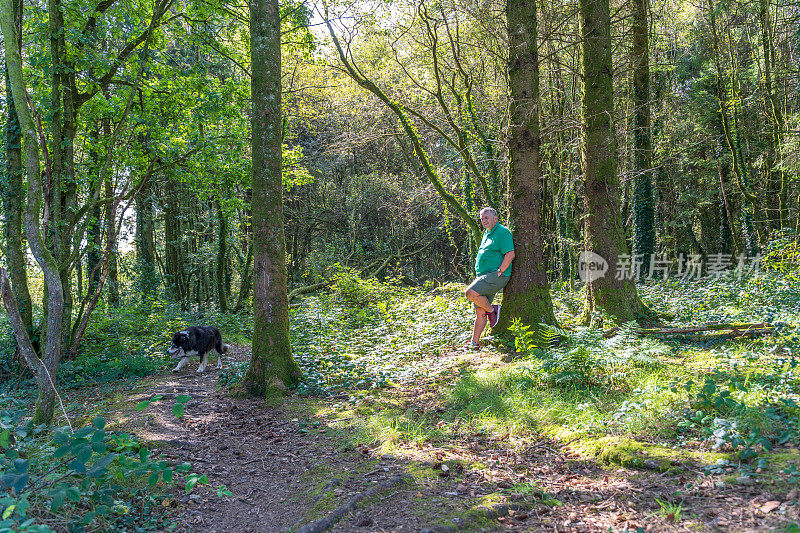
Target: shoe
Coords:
[[494, 316], [473, 346]]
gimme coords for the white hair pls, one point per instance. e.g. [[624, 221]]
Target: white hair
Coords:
[[490, 210]]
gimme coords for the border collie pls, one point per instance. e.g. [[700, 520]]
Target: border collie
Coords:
[[196, 340]]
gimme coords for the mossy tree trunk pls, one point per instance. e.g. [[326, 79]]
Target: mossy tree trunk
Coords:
[[45, 368], [272, 368], [604, 232], [12, 193], [527, 295], [644, 235]]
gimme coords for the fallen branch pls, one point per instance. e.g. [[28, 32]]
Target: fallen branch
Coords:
[[328, 521], [307, 289], [736, 330]]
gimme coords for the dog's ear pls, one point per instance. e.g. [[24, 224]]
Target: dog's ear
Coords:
[[183, 335]]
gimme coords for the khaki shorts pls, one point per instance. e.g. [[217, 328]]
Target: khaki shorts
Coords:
[[489, 284]]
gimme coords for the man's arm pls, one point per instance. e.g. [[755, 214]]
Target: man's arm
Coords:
[[506, 262]]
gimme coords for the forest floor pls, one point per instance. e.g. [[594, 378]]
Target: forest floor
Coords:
[[395, 427], [289, 465]]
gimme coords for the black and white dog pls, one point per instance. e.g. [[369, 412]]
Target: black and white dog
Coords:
[[196, 340]]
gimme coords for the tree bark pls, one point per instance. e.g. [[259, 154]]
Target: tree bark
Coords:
[[12, 192], [644, 236], [145, 237], [222, 254], [51, 354], [527, 294], [604, 231], [272, 368]]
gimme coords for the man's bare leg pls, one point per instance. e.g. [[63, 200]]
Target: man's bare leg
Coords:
[[479, 300], [480, 323]]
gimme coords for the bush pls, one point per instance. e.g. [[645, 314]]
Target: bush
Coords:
[[583, 359], [88, 478], [354, 291]]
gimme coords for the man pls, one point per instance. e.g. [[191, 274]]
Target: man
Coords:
[[493, 269]]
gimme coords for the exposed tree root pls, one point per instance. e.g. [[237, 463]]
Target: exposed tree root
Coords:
[[328, 521]]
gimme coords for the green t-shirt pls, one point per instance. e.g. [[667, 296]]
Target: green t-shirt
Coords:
[[495, 244]]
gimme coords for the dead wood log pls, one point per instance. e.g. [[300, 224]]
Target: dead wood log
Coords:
[[294, 293], [736, 330], [328, 521]]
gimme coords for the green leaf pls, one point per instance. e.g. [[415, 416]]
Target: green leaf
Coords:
[[177, 410], [60, 437], [59, 496], [156, 397], [5, 437], [73, 494], [62, 451], [183, 398], [167, 475], [8, 511], [21, 465], [84, 454], [190, 484], [144, 453], [153, 479], [99, 422], [141, 406], [99, 466]]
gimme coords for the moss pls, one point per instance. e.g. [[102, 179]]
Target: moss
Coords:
[[631, 453]]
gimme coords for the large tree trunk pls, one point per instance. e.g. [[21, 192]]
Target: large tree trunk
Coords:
[[527, 295], [644, 235], [604, 231], [51, 353], [272, 368], [12, 192]]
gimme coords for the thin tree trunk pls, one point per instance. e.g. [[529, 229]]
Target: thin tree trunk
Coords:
[[644, 235], [527, 294], [145, 237], [222, 254], [51, 354], [272, 368], [113, 277], [12, 192]]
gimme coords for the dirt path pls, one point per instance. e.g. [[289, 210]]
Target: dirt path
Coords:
[[285, 470]]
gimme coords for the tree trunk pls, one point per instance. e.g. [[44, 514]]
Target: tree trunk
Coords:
[[113, 277], [12, 192], [272, 368], [742, 179], [51, 353], [644, 236], [222, 254], [145, 237], [776, 179], [604, 232], [527, 295]]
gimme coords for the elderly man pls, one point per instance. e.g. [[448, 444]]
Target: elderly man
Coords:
[[493, 269]]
